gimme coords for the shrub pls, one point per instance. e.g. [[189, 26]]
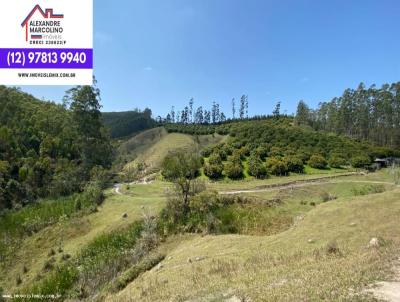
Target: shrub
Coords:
[[360, 161], [262, 151], [213, 171], [368, 189], [318, 162], [204, 202], [215, 158], [131, 274], [336, 161], [256, 167], [294, 164], [239, 154], [220, 151], [325, 196], [275, 152], [332, 248], [276, 166], [234, 169]]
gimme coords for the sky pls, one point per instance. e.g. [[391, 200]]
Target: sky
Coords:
[[161, 53]]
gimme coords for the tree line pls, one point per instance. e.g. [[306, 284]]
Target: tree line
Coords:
[[122, 124], [200, 115], [363, 113]]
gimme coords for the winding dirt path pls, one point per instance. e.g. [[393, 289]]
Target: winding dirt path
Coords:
[[301, 184]]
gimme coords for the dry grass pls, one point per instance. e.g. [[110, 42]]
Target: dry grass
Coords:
[[154, 153], [323, 257], [73, 235]]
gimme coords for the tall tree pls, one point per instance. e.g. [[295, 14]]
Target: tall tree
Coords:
[[173, 114], [277, 111], [247, 106], [190, 113], [95, 143], [233, 108], [302, 114], [199, 116], [242, 107]]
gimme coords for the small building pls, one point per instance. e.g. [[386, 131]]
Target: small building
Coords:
[[380, 163]]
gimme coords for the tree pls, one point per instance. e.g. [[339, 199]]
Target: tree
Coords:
[[198, 117], [233, 108], [190, 114], [318, 162], [242, 107], [173, 114], [95, 142], [182, 168], [222, 117], [294, 164], [247, 106], [336, 161], [207, 117], [256, 167], [360, 161], [213, 169], [234, 167], [277, 111], [214, 113], [276, 166], [302, 114]]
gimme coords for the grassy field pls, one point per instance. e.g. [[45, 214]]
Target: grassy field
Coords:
[[153, 154], [280, 250], [71, 235], [321, 254]]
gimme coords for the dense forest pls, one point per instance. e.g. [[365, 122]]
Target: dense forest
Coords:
[[371, 114], [48, 149], [122, 124]]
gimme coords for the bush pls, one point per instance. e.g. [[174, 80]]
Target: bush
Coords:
[[131, 274], [336, 161], [256, 167], [325, 196], [318, 162], [294, 164], [276, 166], [360, 161], [213, 171], [214, 168], [215, 158], [205, 202], [234, 169]]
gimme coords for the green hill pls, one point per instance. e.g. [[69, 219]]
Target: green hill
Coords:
[[150, 147]]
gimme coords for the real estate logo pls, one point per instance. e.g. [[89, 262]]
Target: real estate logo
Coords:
[[43, 26], [46, 42]]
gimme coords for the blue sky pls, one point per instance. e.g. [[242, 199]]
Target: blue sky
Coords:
[[159, 53]]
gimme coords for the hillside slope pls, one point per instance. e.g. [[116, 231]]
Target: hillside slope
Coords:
[[324, 256], [151, 146]]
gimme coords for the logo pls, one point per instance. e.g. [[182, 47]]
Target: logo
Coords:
[[43, 26]]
